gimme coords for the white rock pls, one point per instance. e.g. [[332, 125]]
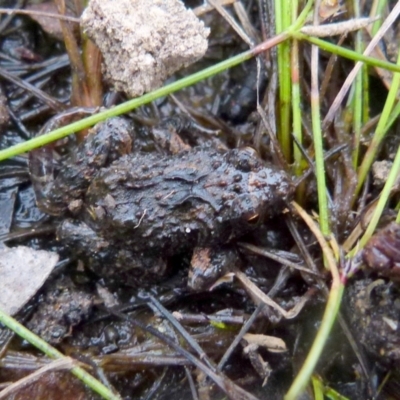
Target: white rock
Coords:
[[143, 42]]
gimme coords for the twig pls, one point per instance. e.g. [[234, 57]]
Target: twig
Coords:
[[262, 252], [234, 25], [260, 297], [183, 332], [57, 365], [51, 352], [239, 336], [340, 28], [346, 86], [11, 11], [50, 101], [231, 389]]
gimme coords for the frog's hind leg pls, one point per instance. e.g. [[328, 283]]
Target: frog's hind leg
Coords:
[[109, 259]]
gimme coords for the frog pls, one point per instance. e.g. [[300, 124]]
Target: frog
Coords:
[[127, 212]]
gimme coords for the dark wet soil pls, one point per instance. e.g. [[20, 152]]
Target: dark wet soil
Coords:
[[102, 322]]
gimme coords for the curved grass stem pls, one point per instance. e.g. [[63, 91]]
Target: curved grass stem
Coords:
[[292, 31], [383, 199], [130, 105], [344, 52], [380, 131], [330, 314]]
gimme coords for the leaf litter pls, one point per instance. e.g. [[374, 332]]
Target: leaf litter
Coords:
[[23, 271]]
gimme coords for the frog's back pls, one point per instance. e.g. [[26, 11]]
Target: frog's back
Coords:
[[198, 197]]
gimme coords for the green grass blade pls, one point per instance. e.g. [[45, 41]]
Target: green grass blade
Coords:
[[357, 103], [343, 52], [383, 199], [124, 107], [380, 131], [51, 352], [331, 311], [283, 20]]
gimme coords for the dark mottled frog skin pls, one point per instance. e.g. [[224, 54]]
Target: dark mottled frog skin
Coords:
[[135, 210], [199, 197]]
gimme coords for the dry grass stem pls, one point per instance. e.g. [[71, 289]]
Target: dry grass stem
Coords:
[[340, 28], [326, 249], [389, 21], [11, 11], [66, 363], [259, 296]]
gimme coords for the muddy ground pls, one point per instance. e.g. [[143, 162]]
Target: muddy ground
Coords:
[[102, 321]]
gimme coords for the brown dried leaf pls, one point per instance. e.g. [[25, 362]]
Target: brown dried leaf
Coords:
[[271, 343], [50, 25]]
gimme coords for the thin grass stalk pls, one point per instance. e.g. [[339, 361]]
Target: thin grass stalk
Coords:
[[92, 62], [318, 387], [357, 102], [343, 52], [131, 104], [318, 144], [332, 394], [383, 199], [380, 131], [377, 9], [386, 25], [283, 12], [80, 91], [330, 313], [393, 116], [328, 319], [190, 80], [365, 95], [303, 16], [51, 352], [296, 108], [296, 99]]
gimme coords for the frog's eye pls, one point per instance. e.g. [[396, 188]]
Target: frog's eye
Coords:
[[243, 159]]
